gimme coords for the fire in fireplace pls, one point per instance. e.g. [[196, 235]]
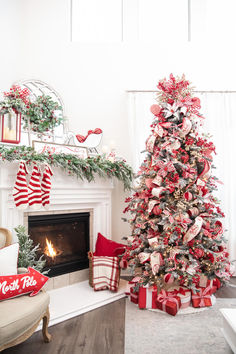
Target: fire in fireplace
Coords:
[[63, 239]]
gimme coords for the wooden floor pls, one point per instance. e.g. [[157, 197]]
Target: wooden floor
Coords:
[[101, 331]]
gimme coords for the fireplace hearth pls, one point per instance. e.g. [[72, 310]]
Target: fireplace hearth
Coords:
[[63, 239]]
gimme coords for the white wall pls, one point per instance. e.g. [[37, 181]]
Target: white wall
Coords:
[[10, 41], [92, 78]]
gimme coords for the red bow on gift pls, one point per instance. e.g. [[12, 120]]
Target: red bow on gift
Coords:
[[82, 138], [163, 297], [182, 291]]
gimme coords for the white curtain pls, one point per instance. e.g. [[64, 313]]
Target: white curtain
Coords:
[[219, 110]]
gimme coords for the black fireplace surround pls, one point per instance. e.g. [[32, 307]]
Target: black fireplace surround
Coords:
[[69, 236]]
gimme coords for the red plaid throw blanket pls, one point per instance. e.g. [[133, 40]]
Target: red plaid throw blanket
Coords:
[[105, 273]]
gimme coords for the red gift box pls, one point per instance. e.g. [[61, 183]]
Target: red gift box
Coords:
[[185, 296], [134, 295], [147, 297], [213, 289], [130, 284], [202, 298], [168, 302], [216, 283]]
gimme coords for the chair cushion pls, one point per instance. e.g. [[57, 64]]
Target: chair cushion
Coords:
[[9, 259], [20, 314]]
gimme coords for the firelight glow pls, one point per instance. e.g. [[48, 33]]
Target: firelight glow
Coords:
[[49, 250]]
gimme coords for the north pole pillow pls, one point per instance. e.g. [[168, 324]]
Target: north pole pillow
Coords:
[[21, 284], [9, 259], [105, 247]]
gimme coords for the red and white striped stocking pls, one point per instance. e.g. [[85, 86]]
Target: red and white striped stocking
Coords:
[[20, 191], [46, 186], [34, 189]]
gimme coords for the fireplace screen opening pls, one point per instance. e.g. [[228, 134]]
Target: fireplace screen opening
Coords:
[[63, 239]]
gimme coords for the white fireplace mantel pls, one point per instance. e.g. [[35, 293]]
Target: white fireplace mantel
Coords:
[[67, 194]]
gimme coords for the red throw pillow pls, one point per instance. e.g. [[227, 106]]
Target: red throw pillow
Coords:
[[20, 284], [105, 247]]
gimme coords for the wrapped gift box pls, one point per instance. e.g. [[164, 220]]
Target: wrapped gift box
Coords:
[[185, 297], [131, 284], [134, 296], [216, 283], [183, 293], [202, 297], [168, 302], [147, 297]]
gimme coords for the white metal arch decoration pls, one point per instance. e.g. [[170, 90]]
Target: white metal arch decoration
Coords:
[[38, 88]]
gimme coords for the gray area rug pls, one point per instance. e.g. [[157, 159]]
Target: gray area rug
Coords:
[[148, 332]]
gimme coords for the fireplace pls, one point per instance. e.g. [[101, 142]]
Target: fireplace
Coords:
[[63, 239]]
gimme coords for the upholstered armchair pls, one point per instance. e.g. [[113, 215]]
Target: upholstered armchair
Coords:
[[20, 316]]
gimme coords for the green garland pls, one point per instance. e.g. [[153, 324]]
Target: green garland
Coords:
[[83, 169]]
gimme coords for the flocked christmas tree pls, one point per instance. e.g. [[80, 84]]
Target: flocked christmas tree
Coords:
[[28, 251], [176, 231]]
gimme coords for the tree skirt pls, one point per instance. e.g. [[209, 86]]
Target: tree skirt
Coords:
[[190, 309], [200, 332]]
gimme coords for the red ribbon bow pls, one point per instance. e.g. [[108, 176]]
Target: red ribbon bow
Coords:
[[82, 138], [163, 297], [203, 294]]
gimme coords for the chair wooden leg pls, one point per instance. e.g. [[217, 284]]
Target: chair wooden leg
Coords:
[[46, 336]]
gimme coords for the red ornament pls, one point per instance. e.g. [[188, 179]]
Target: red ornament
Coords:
[[198, 253], [156, 210], [168, 278], [155, 109], [20, 284], [188, 196]]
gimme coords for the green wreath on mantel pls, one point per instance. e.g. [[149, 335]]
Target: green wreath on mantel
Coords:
[[83, 169]]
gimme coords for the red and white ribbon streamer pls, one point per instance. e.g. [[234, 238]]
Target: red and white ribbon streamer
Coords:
[[193, 230]]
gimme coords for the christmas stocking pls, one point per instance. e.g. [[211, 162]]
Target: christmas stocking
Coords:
[[34, 189], [20, 191], [46, 186]]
